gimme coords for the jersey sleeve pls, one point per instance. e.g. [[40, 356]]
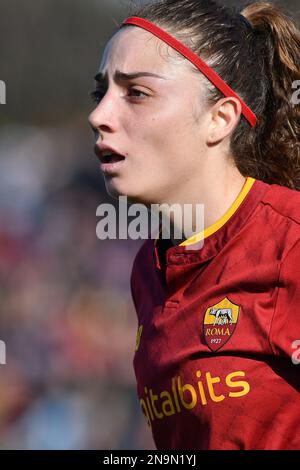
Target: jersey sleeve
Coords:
[[132, 287], [285, 327], [135, 280]]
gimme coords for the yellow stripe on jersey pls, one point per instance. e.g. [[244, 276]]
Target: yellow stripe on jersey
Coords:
[[229, 213]]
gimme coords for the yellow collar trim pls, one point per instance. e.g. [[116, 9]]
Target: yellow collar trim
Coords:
[[220, 222]]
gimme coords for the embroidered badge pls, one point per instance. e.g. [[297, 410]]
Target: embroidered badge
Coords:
[[219, 323]]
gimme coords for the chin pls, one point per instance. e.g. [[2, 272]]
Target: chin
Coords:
[[133, 197], [116, 189], [113, 192]]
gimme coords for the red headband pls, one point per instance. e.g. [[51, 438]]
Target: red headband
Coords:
[[192, 57]]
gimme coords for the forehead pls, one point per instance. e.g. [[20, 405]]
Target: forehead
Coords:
[[133, 48]]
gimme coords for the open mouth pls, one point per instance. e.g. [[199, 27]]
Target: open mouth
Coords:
[[112, 158]]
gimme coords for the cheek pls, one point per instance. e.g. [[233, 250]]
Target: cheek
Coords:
[[154, 136], [161, 140]]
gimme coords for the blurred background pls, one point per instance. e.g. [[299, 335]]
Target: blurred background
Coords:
[[66, 313]]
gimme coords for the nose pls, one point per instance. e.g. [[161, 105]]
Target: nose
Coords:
[[103, 117]]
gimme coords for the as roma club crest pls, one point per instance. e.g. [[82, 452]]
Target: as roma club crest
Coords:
[[219, 323]]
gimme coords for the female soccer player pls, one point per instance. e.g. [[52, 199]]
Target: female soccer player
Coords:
[[199, 104]]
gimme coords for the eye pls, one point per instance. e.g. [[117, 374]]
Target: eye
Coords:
[[97, 95], [136, 91]]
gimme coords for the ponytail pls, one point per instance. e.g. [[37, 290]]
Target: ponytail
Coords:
[[277, 136]]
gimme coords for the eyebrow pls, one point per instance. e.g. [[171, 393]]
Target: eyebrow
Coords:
[[121, 76]]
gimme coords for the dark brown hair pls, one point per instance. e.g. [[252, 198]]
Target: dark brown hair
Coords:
[[260, 61]]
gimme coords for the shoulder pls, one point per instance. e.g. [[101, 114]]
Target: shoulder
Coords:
[[279, 217], [284, 201], [143, 279], [144, 254], [143, 261]]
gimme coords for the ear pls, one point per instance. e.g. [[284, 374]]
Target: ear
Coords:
[[224, 117]]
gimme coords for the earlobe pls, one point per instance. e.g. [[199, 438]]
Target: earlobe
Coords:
[[211, 139]]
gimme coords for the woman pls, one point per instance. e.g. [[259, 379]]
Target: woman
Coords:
[[217, 324]]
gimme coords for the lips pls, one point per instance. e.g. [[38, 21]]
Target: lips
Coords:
[[107, 154], [111, 160]]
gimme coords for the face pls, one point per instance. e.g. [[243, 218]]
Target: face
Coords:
[[157, 123]]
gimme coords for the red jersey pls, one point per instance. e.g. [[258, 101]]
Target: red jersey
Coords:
[[217, 328]]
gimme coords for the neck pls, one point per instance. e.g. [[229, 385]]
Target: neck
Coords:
[[208, 201]]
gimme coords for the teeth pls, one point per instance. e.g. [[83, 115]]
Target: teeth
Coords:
[[106, 153]]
